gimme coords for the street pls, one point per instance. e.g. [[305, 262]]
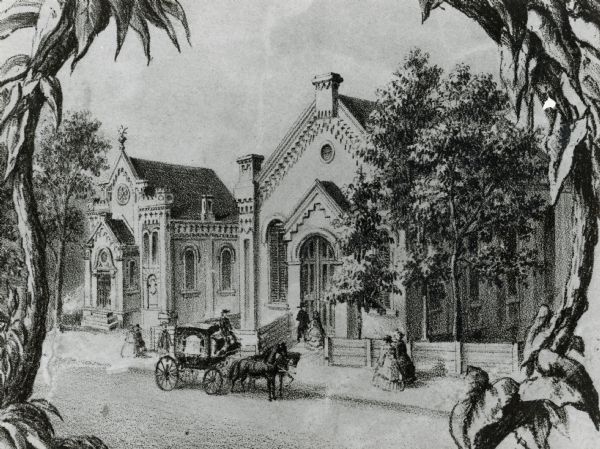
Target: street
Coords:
[[127, 410]]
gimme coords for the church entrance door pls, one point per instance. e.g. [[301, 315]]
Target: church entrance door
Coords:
[[103, 294], [317, 264]]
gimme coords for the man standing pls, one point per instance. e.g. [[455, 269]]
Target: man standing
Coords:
[[303, 321]]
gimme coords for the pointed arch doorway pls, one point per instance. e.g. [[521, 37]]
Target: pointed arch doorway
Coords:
[[317, 265]]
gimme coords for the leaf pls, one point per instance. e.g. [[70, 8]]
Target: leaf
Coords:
[[20, 14], [16, 94], [14, 67], [562, 162], [155, 13], [79, 442], [18, 440], [427, 6], [49, 17], [122, 12], [52, 91], [549, 21], [46, 406], [91, 17], [14, 132], [174, 8], [139, 24], [563, 381]]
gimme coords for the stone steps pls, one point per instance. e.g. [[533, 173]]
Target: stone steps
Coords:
[[101, 320]]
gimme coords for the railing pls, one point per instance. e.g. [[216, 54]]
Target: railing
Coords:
[[275, 332]]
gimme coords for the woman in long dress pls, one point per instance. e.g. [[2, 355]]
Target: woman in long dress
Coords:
[[316, 333], [405, 364], [387, 374]]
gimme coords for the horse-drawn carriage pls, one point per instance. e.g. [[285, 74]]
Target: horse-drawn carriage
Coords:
[[197, 347]]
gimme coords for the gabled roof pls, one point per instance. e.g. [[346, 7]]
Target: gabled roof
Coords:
[[187, 184], [359, 108], [328, 193], [121, 231], [117, 228]]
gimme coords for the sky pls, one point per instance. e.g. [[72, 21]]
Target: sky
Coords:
[[247, 75]]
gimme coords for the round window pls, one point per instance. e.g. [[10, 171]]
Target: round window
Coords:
[[327, 153]]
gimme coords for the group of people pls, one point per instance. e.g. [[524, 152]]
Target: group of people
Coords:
[[311, 331], [394, 367]]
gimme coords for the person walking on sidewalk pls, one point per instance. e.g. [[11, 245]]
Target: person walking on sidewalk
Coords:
[[387, 374], [303, 320], [405, 364]]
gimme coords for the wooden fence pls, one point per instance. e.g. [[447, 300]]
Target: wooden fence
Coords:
[[439, 358]]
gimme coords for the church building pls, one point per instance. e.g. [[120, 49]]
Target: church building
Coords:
[[172, 241]]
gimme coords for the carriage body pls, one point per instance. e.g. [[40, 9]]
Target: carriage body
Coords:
[[195, 349]]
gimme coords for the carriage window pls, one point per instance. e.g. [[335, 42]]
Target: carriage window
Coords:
[[189, 269], [146, 248], [194, 345], [278, 278], [155, 247], [226, 261]]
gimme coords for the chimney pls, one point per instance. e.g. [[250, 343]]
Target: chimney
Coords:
[[207, 208], [326, 94]]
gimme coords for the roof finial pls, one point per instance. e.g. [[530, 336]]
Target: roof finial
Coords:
[[122, 137]]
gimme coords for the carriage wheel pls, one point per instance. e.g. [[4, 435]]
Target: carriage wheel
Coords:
[[166, 373], [213, 381]]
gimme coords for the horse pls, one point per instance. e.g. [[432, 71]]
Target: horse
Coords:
[[267, 365]]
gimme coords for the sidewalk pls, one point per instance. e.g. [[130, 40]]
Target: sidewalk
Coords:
[[313, 378], [429, 394]]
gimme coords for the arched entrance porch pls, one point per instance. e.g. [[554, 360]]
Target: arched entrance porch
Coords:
[[317, 266]]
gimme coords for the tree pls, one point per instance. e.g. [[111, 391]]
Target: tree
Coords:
[[62, 30], [365, 275], [475, 186], [365, 233], [548, 56], [67, 161]]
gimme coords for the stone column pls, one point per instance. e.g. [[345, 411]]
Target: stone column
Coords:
[[209, 295], [163, 285], [94, 292]]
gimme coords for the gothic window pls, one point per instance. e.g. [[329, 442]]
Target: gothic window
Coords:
[[226, 268], [154, 247], [146, 247], [189, 269], [132, 274], [278, 278]]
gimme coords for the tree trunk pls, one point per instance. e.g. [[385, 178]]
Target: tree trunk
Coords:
[[58, 282], [20, 386], [457, 328], [585, 177]]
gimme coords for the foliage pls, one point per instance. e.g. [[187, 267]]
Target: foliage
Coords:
[[449, 169], [66, 163], [62, 30], [365, 274], [548, 53]]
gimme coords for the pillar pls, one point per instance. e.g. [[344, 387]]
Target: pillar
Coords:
[[87, 282]]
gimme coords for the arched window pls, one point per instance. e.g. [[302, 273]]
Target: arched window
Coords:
[[189, 269], [132, 274], [226, 268], [154, 247], [278, 278], [146, 247]]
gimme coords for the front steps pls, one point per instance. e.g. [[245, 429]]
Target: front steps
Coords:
[[99, 319]]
